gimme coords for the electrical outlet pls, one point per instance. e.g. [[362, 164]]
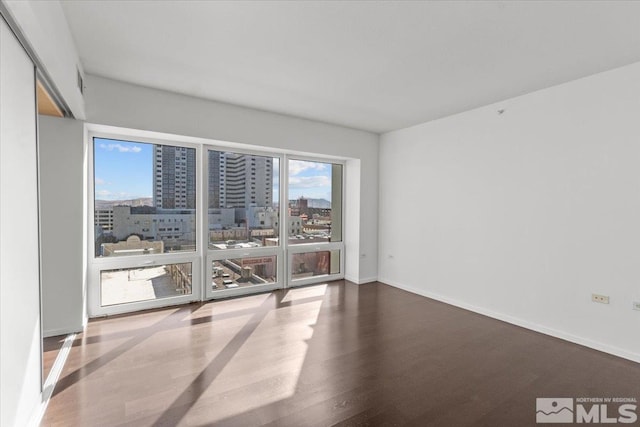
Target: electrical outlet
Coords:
[[636, 305], [602, 299]]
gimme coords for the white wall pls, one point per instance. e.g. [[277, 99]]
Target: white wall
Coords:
[[524, 215], [61, 190], [20, 335], [45, 27], [119, 104]]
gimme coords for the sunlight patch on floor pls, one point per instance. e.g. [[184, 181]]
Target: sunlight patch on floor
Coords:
[[305, 292], [278, 350]]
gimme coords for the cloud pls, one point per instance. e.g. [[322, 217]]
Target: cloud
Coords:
[[296, 167], [121, 148], [309, 181], [100, 181], [104, 193]]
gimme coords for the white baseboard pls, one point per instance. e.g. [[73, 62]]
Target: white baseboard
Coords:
[[361, 281], [52, 379], [635, 357]]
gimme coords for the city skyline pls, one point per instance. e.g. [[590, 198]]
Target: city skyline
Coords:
[[123, 170]]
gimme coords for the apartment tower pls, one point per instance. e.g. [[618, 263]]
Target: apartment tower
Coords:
[[240, 180], [174, 177]]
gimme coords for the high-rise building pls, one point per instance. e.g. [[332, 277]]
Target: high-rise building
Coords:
[[215, 187], [174, 177], [104, 218], [235, 180], [240, 180]]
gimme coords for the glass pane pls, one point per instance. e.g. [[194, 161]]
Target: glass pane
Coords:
[[125, 285], [315, 202], [145, 198], [242, 200], [242, 272], [310, 264]]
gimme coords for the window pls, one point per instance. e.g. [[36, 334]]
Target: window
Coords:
[[140, 259], [310, 264], [138, 191], [314, 211], [236, 211], [243, 272], [126, 285], [149, 197], [315, 202]]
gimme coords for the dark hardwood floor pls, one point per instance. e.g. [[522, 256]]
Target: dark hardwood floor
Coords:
[[335, 354]]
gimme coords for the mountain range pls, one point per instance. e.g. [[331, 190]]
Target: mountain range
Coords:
[[106, 204], [148, 201]]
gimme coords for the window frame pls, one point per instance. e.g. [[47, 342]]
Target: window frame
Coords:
[[239, 254], [205, 160], [97, 264], [311, 248], [94, 294], [220, 254], [203, 257], [298, 248]]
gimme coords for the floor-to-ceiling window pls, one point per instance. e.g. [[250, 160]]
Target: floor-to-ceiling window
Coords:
[[243, 223], [144, 246], [314, 220], [175, 222]]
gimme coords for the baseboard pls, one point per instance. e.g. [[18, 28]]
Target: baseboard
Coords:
[[635, 357], [52, 379], [361, 281], [62, 331]]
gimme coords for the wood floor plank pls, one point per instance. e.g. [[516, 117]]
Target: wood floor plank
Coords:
[[333, 354]]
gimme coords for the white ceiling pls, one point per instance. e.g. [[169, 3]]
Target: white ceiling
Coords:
[[376, 66]]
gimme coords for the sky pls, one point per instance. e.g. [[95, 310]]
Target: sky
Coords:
[[124, 170], [309, 179]]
